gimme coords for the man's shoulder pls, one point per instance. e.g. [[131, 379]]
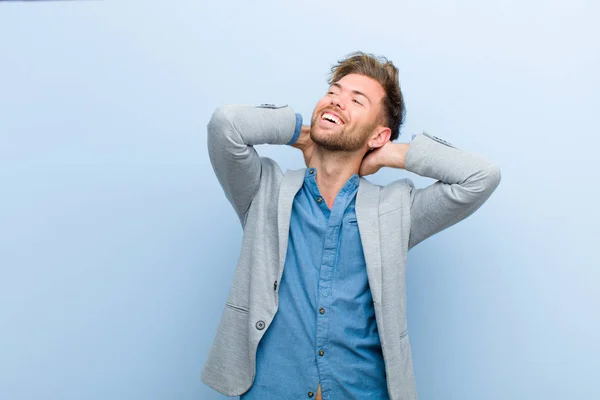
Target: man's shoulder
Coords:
[[393, 188], [273, 178], [392, 196], [271, 172]]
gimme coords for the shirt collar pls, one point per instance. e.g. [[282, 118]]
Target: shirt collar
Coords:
[[310, 179]]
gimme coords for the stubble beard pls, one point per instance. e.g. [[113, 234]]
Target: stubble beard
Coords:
[[341, 140]]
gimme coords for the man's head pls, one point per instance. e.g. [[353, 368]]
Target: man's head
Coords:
[[363, 107]]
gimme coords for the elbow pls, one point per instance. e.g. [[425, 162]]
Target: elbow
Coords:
[[220, 120], [489, 179], [221, 129], [481, 185], [493, 176]]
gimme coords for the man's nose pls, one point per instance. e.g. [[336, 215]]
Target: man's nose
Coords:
[[339, 101]]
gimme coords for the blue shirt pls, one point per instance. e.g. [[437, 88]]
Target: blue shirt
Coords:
[[325, 330]]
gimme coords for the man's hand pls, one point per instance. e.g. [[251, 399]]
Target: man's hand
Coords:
[[305, 144], [389, 155]]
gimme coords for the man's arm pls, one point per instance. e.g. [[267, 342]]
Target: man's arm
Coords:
[[464, 181], [233, 131], [305, 143]]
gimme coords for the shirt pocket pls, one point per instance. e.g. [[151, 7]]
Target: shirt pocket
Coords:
[[350, 243]]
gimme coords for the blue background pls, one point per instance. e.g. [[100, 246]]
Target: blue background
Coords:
[[117, 246]]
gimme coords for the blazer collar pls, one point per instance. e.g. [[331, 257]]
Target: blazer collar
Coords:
[[367, 217], [291, 183]]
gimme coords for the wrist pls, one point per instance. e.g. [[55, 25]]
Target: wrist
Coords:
[[396, 156], [303, 138]]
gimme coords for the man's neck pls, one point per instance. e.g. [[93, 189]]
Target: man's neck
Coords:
[[333, 171]]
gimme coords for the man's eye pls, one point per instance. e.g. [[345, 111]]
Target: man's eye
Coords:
[[330, 93], [357, 102]]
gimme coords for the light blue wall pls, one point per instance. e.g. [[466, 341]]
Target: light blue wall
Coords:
[[117, 246]]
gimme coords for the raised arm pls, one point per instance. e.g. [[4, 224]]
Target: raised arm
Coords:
[[233, 131], [464, 182]]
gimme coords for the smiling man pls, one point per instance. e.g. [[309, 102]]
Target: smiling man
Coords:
[[318, 303]]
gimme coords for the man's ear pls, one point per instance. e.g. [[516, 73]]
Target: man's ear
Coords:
[[380, 137]]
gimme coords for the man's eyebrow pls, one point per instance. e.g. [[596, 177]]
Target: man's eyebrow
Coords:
[[356, 92]]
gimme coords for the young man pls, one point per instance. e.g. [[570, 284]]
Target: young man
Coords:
[[318, 304]]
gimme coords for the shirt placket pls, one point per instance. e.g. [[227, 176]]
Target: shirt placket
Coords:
[[324, 298]]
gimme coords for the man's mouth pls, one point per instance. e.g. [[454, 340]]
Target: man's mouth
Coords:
[[331, 117]]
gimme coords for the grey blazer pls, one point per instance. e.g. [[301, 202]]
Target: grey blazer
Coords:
[[391, 220]]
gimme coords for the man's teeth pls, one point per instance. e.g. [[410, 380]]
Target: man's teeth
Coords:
[[332, 118]]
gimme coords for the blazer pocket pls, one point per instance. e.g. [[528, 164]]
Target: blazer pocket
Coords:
[[390, 211], [239, 309]]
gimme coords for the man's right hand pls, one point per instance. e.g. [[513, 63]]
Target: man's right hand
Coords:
[[305, 144]]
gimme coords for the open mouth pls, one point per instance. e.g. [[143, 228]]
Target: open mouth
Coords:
[[330, 117]]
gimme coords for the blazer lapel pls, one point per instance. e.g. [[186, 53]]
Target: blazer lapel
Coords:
[[367, 216], [291, 183]]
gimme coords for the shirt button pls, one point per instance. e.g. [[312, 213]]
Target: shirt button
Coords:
[[321, 353], [260, 325], [311, 171], [310, 394], [275, 285], [319, 199], [322, 310]]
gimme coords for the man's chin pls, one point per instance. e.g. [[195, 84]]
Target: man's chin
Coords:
[[320, 136], [327, 142], [321, 131]]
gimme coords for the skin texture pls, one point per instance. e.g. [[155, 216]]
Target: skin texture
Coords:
[[338, 151]]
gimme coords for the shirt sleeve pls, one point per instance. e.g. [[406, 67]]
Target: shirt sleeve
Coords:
[[297, 129]]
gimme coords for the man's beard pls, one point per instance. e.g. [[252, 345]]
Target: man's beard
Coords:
[[339, 141]]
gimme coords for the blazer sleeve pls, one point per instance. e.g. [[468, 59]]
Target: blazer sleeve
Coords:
[[464, 182], [233, 131]]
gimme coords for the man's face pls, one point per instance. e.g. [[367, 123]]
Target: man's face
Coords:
[[345, 118]]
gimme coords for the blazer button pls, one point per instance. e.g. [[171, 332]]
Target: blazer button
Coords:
[[260, 325]]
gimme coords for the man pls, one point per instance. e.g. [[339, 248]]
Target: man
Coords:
[[318, 304]]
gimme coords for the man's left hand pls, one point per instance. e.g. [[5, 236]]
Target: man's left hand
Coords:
[[389, 155]]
